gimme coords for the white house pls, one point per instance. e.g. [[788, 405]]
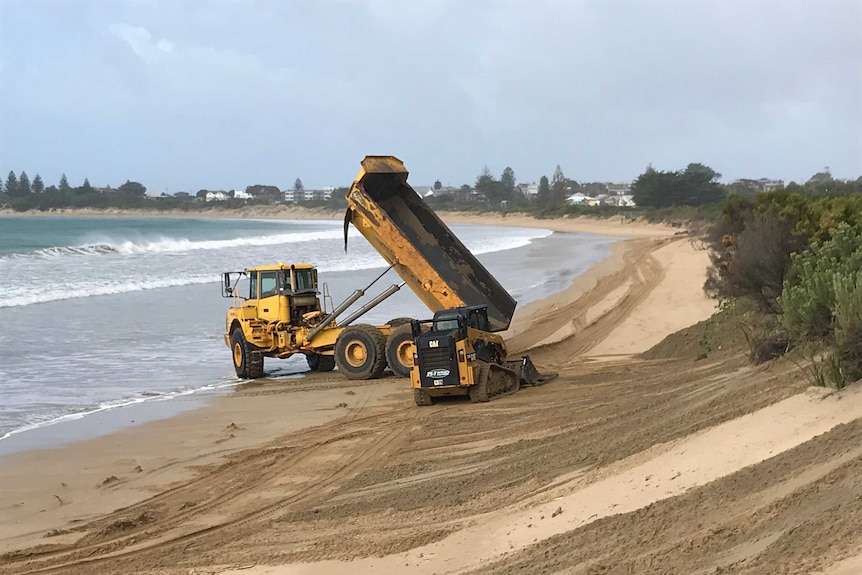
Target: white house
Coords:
[[216, 196], [241, 195], [529, 190], [577, 198]]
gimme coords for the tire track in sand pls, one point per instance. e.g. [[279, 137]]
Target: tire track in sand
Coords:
[[262, 468]]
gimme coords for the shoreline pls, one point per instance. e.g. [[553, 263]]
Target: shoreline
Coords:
[[614, 227], [24, 440], [99, 420]]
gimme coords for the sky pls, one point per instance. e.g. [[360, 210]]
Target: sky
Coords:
[[183, 95]]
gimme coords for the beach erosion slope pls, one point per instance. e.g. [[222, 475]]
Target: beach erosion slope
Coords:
[[622, 464]]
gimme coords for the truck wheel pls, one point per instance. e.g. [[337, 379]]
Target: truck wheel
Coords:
[[320, 362], [422, 398], [255, 364], [395, 322], [360, 352], [240, 354], [399, 350], [247, 363]]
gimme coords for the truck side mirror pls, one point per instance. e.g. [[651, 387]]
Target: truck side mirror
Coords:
[[228, 289], [416, 328]]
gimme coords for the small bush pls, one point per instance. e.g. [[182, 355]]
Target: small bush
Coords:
[[768, 346], [753, 263], [822, 299]]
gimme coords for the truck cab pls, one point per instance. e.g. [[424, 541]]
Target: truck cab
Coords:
[[280, 292]]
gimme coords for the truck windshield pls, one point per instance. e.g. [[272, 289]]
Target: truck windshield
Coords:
[[268, 284]]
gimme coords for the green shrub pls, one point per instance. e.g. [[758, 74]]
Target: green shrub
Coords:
[[822, 298]]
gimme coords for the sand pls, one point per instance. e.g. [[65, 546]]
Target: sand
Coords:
[[621, 464]]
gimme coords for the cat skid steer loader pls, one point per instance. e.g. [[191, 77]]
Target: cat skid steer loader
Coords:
[[459, 355]]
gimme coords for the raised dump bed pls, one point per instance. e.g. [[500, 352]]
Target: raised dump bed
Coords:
[[414, 240]]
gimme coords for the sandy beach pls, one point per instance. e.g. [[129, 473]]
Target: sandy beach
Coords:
[[622, 464]]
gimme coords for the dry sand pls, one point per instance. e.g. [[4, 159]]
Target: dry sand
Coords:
[[620, 465]]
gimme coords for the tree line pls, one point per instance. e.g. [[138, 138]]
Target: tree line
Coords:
[[22, 194], [696, 185]]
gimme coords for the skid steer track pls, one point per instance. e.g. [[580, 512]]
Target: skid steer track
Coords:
[[494, 381]]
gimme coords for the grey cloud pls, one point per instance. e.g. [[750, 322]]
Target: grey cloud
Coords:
[[189, 94]]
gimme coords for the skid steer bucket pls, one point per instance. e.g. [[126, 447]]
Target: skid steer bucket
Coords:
[[528, 373], [414, 240]]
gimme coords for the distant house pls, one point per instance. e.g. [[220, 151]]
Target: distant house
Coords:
[[307, 195], [241, 195], [466, 194], [578, 199], [529, 191], [770, 185], [618, 188], [216, 196], [760, 185]]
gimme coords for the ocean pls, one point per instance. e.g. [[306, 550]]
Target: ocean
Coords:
[[101, 313]]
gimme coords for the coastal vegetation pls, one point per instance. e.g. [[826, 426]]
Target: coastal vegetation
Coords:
[[691, 193], [791, 260]]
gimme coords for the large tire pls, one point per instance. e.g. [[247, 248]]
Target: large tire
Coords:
[[247, 363], [255, 365], [395, 322], [360, 352], [400, 349], [320, 362]]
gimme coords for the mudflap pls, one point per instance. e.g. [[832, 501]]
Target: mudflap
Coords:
[[528, 373]]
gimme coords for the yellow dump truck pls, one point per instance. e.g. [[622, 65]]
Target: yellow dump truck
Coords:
[[281, 315]]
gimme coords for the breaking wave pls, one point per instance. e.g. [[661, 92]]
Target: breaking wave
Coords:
[[175, 245], [104, 279]]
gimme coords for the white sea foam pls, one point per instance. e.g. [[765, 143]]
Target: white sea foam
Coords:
[[94, 285], [70, 292], [175, 245], [44, 420]]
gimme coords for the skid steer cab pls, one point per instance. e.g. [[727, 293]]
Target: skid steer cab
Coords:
[[461, 356], [277, 313]]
